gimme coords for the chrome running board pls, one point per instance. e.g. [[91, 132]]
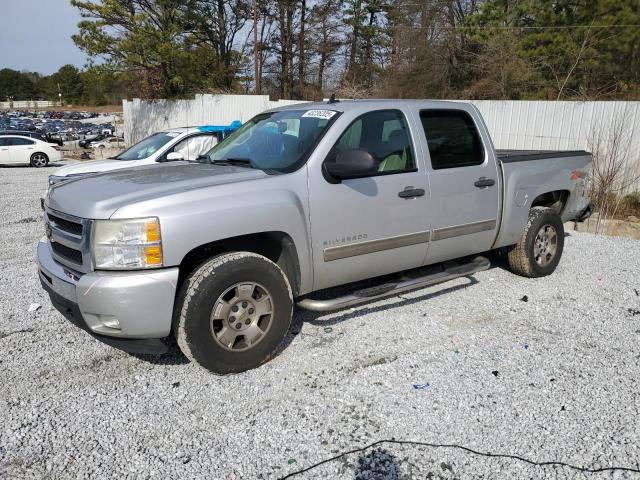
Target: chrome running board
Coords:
[[390, 289]]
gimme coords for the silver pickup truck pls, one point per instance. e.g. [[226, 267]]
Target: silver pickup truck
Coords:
[[215, 253]]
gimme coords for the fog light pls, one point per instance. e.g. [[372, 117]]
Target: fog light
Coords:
[[110, 322]]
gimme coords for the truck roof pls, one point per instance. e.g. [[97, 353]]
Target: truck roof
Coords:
[[345, 105]]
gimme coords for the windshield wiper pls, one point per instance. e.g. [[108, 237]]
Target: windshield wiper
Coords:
[[241, 162]]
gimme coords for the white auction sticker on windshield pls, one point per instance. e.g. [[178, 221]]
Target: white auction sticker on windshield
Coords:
[[172, 134], [326, 114]]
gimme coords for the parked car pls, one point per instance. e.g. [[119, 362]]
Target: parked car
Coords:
[[22, 133], [299, 199], [88, 138], [26, 150], [168, 145], [108, 142]]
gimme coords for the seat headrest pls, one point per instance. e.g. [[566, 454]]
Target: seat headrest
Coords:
[[398, 140]]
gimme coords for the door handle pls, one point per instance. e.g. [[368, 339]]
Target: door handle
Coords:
[[485, 182], [410, 192]]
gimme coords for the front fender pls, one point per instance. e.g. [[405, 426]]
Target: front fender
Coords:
[[197, 217]]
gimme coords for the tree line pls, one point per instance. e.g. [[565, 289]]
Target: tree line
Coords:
[[97, 85], [304, 49]]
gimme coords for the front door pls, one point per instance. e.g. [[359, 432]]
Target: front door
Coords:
[[376, 225], [465, 185]]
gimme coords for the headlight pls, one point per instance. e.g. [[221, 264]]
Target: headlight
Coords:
[[126, 244]]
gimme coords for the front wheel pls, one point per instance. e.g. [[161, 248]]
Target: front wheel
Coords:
[[39, 160], [234, 311], [540, 248]]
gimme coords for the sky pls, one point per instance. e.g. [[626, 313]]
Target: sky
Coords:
[[35, 35]]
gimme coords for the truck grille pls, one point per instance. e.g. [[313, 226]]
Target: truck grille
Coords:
[[69, 240], [67, 253], [66, 225]]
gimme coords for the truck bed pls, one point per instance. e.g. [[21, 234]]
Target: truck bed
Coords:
[[509, 156]]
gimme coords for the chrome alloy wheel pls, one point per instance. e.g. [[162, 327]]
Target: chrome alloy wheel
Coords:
[[545, 245], [39, 160], [241, 316]]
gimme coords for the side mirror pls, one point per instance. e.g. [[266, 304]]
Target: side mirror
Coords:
[[172, 157], [353, 163]]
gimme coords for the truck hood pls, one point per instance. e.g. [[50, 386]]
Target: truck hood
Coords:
[[92, 167], [99, 195]]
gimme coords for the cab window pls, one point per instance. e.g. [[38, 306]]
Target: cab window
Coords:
[[453, 139], [384, 134]]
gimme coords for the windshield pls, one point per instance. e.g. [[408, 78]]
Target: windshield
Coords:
[[279, 141], [147, 147]]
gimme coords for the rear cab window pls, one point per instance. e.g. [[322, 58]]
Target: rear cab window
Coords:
[[452, 138]]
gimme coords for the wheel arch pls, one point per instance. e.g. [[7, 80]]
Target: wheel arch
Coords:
[[556, 200], [277, 246]]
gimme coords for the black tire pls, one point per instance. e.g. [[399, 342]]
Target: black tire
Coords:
[[39, 160], [522, 256], [203, 290]]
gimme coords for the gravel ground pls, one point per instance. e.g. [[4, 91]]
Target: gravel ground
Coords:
[[469, 363]]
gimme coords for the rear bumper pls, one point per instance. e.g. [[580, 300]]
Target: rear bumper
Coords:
[[584, 213], [131, 311]]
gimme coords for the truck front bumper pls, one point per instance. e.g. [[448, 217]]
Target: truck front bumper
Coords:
[[131, 311]]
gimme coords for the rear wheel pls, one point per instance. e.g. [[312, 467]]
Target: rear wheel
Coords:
[[540, 248], [234, 312], [39, 160]]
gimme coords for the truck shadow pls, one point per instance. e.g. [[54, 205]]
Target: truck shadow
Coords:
[[173, 357]]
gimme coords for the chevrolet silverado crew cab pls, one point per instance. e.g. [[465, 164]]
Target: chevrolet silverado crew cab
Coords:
[[215, 253]]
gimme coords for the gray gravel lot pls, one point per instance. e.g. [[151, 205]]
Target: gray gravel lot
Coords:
[[554, 378]]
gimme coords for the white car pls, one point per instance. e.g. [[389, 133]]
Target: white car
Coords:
[[17, 149], [112, 142], [186, 143]]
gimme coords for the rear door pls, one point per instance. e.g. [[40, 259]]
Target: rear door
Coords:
[[465, 184]]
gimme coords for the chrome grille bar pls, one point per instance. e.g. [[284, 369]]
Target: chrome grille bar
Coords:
[[68, 238]]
